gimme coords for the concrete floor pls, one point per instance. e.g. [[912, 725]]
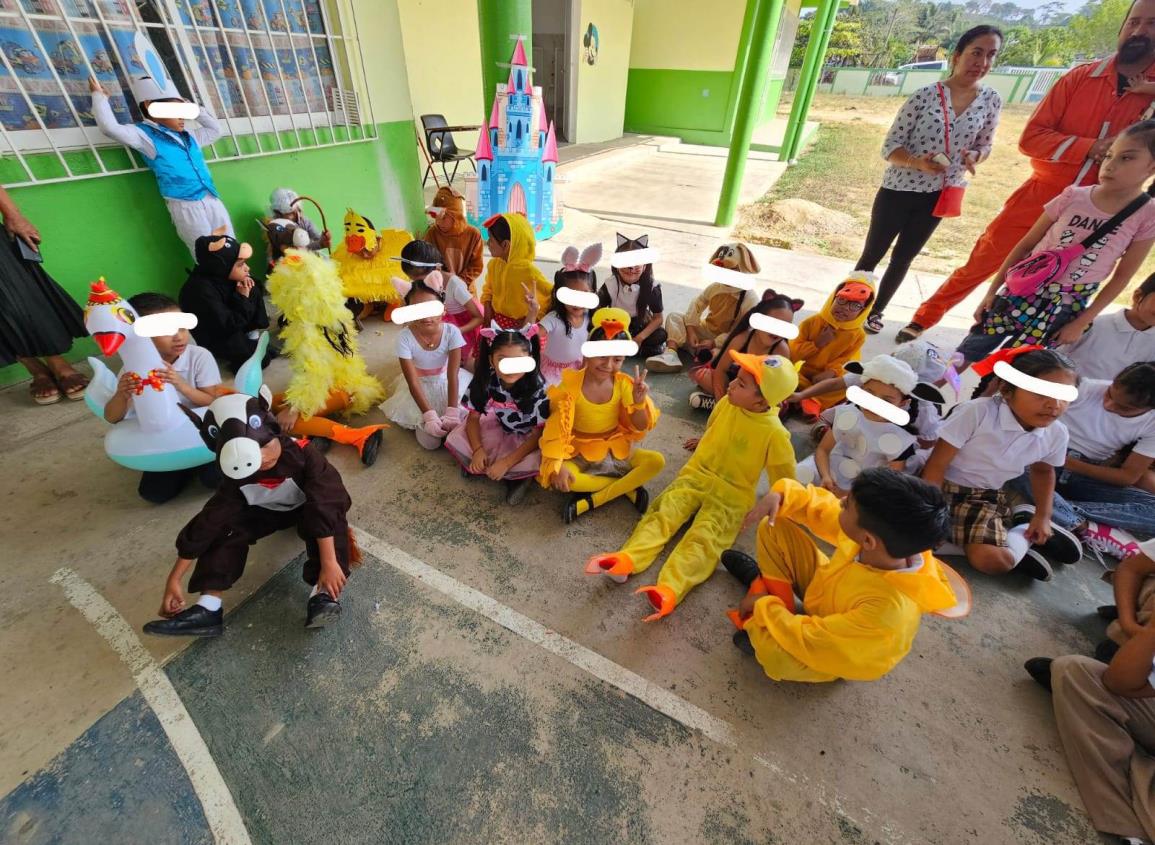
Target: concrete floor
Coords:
[[545, 713]]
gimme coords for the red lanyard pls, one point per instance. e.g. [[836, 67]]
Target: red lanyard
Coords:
[[945, 115]]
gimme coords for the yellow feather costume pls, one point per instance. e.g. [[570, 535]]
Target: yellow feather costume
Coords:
[[366, 259]]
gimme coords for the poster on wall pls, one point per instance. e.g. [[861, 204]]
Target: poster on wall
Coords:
[[590, 44]]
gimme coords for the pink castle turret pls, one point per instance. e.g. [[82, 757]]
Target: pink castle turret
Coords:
[[484, 151], [550, 154], [519, 54]]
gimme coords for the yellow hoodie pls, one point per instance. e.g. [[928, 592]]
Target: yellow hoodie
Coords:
[[849, 336], [859, 621], [504, 277]]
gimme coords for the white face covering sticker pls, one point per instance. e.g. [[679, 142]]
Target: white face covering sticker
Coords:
[[420, 311], [164, 324], [184, 111], [870, 402], [774, 326], [1060, 392], [731, 278], [578, 298], [516, 366], [609, 349], [635, 258]]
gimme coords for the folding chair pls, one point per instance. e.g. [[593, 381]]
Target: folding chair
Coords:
[[440, 144]]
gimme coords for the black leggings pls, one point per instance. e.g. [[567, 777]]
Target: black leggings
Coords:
[[905, 215]]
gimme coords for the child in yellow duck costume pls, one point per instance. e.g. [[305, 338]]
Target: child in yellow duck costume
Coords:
[[743, 437], [833, 336], [863, 605], [367, 261], [597, 415], [329, 377], [511, 272]]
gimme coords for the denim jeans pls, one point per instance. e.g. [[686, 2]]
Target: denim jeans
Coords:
[[1079, 498]]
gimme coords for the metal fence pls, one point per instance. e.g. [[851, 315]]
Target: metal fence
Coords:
[[1015, 85], [280, 75]]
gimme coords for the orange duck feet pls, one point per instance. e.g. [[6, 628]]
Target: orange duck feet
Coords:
[[662, 598], [617, 566]]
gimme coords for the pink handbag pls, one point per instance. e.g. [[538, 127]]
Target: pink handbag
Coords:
[[1035, 271]]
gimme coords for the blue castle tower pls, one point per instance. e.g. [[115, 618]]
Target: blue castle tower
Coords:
[[517, 156]]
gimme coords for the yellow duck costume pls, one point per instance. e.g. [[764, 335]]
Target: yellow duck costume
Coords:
[[595, 441], [718, 484], [504, 277], [328, 376], [849, 336], [367, 260], [859, 621]]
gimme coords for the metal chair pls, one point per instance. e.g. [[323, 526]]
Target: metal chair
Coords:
[[439, 142]]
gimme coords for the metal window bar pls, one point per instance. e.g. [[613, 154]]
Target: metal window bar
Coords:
[[280, 74], [317, 70], [356, 34], [133, 156], [337, 74], [297, 65], [264, 88], [32, 108]]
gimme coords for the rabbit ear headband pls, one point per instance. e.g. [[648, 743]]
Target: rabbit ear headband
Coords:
[[494, 330], [586, 261]]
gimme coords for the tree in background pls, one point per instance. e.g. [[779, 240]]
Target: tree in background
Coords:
[[1045, 47], [845, 42], [1095, 29]]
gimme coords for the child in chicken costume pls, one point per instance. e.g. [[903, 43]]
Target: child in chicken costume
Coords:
[[368, 262], [329, 377], [715, 488]]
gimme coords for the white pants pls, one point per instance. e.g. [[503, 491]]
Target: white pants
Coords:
[[196, 218]]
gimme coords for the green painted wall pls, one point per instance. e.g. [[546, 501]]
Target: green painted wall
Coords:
[[673, 102], [118, 227]]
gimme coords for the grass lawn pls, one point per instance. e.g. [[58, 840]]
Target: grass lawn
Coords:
[[842, 170]]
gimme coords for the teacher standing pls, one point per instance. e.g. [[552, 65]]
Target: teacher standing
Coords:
[[955, 118]]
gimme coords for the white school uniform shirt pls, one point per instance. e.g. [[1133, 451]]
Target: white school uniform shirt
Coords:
[[410, 349], [994, 447], [457, 295], [861, 444], [1097, 434], [1110, 345], [927, 421], [196, 365], [561, 348]]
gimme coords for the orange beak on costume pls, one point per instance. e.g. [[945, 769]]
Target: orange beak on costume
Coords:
[[854, 292], [612, 328], [354, 243]]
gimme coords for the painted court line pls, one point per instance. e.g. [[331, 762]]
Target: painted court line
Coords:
[[589, 661], [220, 811]]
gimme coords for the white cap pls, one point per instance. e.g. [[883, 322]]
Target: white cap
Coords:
[[888, 370], [281, 200], [154, 82]]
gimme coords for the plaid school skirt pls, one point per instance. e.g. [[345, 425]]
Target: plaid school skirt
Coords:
[[977, 516]]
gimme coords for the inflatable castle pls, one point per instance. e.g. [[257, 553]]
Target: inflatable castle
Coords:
[[516, 157]]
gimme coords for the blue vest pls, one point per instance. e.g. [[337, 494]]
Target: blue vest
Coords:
[[181, 172]]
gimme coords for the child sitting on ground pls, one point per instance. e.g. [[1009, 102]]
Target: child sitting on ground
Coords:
[[507, 408], [597, 416], [1134, 609], [711, 316], [1094, 497], [229, 305], [863, 604], [859, 438], [566, 326], [1062, 308], [510, 276], [425, 397], [716, 487], [272, 482], [172, 153], [830, 338], [457, 241], [418, 260], [987, 442], [634, 289], [714, 378], [193, 372], [283, 204], [1120, 338]]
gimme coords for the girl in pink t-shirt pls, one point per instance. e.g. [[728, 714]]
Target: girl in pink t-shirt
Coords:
[[1061, 310]]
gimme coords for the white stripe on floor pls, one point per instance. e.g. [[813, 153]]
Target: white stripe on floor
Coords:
[[604, 669], [220, 811]]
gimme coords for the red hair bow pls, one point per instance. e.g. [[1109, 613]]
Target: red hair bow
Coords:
[[987, 365]]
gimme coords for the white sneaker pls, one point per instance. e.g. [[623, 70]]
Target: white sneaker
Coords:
[[667, 362]]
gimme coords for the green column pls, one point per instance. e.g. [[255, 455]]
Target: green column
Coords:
[[811, 75], [762, 36], [497, 20]]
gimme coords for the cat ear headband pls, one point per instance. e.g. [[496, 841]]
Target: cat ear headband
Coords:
[[795, 304]]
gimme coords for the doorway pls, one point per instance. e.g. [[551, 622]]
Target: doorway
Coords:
[[551, 60]]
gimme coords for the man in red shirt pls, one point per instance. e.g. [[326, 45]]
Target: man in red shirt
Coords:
[[1066, 138]]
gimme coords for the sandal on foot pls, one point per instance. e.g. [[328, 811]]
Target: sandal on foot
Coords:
[[43, 390], [874, 324], [909, 332], [73, 385]]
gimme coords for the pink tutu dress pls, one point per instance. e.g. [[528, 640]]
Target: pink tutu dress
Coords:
[[504, 428]]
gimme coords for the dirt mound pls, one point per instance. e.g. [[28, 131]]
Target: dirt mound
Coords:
[[789, 220]]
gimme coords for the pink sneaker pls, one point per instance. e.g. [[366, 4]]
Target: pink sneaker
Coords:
[[1109, 541]]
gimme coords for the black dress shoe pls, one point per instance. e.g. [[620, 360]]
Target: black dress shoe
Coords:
[[741, 566], [1105, 651], [371, 448], [197, 621], [641, 500], [742, 641], [1039, 668], [322, 610], [1109, 612]]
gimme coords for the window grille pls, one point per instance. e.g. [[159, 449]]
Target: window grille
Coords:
[[278, 74]]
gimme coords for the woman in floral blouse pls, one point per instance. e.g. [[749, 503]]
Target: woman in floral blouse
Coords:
[[903, 208]]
